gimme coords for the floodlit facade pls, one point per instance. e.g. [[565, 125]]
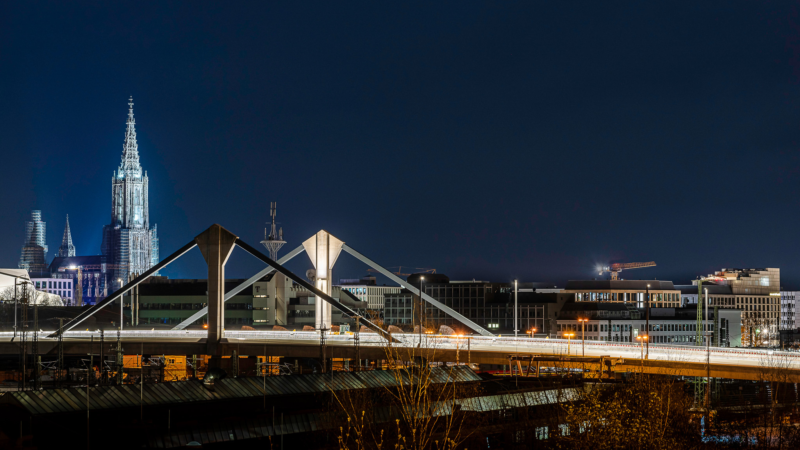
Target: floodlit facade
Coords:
[[663, 294], [788, 315], [61, 287], [614, 322], [129, 244], [94, 273], [366, 290], [757, 294]]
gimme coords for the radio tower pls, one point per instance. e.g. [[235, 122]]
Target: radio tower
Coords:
[[274, 241]]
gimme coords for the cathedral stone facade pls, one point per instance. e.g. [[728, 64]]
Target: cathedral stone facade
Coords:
[[129, 244]]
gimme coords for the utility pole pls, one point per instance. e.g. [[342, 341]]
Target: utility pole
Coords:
[[35, 348], [120, 375], [322, 351], [235, 364], [24, 346], [647, 319], [516, 323], [421, 281], [90, 369], [141, 385], [357, 343], [708, 373], [60, 366], [102, 356]]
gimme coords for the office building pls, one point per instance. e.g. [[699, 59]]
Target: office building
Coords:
[[34, 249], [94, 276], [754, 292], [662, 294], [620, 322], [366, 289], [62, 287], [273, 300], [490, 305], [789, 319]]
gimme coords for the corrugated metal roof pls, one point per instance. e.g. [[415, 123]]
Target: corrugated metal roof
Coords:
[[55, 401]]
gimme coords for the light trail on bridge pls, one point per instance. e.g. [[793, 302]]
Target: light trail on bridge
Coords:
[[504, 345]]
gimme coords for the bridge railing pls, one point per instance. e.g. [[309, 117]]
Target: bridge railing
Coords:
[[441, 341]]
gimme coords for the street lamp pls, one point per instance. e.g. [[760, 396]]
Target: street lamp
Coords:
[[569, 337], [533, 332], [583, 335], [642, 339], [515, 309], [421, 281], [78, 286]]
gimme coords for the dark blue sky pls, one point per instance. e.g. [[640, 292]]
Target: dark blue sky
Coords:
[[493, 140]]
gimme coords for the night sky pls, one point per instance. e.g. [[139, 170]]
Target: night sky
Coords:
[[493, 140]]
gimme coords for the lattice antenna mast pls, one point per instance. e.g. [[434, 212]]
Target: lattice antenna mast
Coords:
[[274, 241]]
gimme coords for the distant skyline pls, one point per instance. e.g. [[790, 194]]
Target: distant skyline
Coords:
[[488, 141]]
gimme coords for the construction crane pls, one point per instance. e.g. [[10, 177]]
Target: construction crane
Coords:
[[616, 268], [400, 273]]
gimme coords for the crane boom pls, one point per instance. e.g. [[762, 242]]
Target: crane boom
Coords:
[[616, 268]]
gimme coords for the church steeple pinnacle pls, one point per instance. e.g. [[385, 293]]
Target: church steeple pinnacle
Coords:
[[67, 250], [130, 150]]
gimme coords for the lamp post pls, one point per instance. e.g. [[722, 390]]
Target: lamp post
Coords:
[[569, 341], [533, 332], [642, 339], [421, 281], [515, 310], [78, 286], [647, 318], [583, 335]]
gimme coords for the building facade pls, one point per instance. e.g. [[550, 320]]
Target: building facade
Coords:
[[490, 305], [661, 294], [367, 290], [34, 249], [757, 294], [273, 300], [614, 322], [90, 274], [788, 315], [129, 244], [61, 287]]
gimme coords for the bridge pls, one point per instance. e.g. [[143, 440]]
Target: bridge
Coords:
[[743, 364], [216, 245]]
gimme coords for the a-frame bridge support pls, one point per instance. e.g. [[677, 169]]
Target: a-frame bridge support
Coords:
[[216, 245]]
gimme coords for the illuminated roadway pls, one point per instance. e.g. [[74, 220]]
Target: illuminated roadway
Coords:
[[441, 348]]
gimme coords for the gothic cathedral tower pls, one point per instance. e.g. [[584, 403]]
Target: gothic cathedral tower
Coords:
[[129, 244]]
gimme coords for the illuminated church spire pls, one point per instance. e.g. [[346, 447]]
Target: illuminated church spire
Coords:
[[129, 243], [130, 150], [67, 250]]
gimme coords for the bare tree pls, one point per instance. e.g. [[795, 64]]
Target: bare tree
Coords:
[[423, 399]]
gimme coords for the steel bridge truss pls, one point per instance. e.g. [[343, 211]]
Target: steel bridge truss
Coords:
[[273, 266]]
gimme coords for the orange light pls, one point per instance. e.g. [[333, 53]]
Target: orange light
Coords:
[[205, 325]]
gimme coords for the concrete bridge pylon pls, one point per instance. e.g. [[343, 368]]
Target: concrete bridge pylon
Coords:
[[323, 249], [216, 245]]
